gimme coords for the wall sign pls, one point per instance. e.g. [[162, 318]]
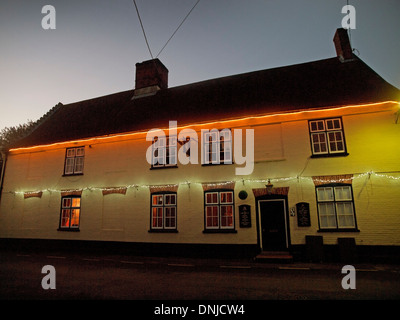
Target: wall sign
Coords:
[[244, 216], [303, 214]]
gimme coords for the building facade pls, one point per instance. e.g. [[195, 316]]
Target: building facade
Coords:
[[272, 160]]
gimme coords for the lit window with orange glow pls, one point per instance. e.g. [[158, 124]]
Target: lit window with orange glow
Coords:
[[70, 213], [219, 211], [163, 212]]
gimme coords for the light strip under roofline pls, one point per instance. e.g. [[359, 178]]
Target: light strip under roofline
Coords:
[[112, 136]]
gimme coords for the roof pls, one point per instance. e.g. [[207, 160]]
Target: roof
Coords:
[[316, 84]]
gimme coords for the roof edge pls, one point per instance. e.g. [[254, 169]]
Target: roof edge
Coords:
[[182, 126]]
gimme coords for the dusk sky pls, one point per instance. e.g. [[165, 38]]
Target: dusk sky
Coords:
[[96, 44]]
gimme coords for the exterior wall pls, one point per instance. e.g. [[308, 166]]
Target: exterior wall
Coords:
[[282, 154]]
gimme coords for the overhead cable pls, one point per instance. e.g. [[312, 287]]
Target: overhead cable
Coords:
[[144, 33], [178, 27]]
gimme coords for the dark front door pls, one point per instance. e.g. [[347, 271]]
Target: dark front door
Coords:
[[273, 225]]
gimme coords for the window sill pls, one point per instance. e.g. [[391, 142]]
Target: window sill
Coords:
[[163, 231], [330, 155], [220, 231], [163, 167], [339, 230], [215, 164], [69, 229], [72, 174]]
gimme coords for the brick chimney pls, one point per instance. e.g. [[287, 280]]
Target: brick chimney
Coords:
[[151, 76], [342, 45]]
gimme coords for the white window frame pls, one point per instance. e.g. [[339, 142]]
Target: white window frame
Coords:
[[216, 143], [161, 207], [218, 206], [67, 211], [334, 202], [167, 152], [74, 160], [326, 131]]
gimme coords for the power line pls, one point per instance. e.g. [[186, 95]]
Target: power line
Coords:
[[144, 33], [178, 27]]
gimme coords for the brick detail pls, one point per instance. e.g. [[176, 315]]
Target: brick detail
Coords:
[[273, 191], [218, 185], [164, 188], [340, 178], [121, 190]]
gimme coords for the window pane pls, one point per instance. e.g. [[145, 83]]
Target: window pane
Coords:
[[66, 203], [80, 152], [75, 218], [211, 154], [161, 141], [79, 165], [170, 217], [343, 193], [171, 141], [158, 152], [333, 124], [227, 153], [225, 147], [227, 216], [226, 197], [318, 125], [212, 217], [65, 218], [319, 142], [157, 217], [76, 202], [336, 141], [345, 215], [171, 156], [325, 194], [157, 200], [170, 199], [69, 165], [327, 215], [212, 197], [71, 152], [225, 135], [159, 156]]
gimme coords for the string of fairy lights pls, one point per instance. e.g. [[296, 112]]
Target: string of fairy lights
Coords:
[[298, 178]]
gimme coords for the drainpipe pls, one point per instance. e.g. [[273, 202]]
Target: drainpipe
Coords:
[[3, 156]]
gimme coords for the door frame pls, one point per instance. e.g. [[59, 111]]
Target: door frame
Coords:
[[269, 198]]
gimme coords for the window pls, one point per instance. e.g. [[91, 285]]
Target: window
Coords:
[[327, 137], [219, 211], [336, 207], [164, 152], [70, 213], [74, 159], [217, 146], [163, 212]]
